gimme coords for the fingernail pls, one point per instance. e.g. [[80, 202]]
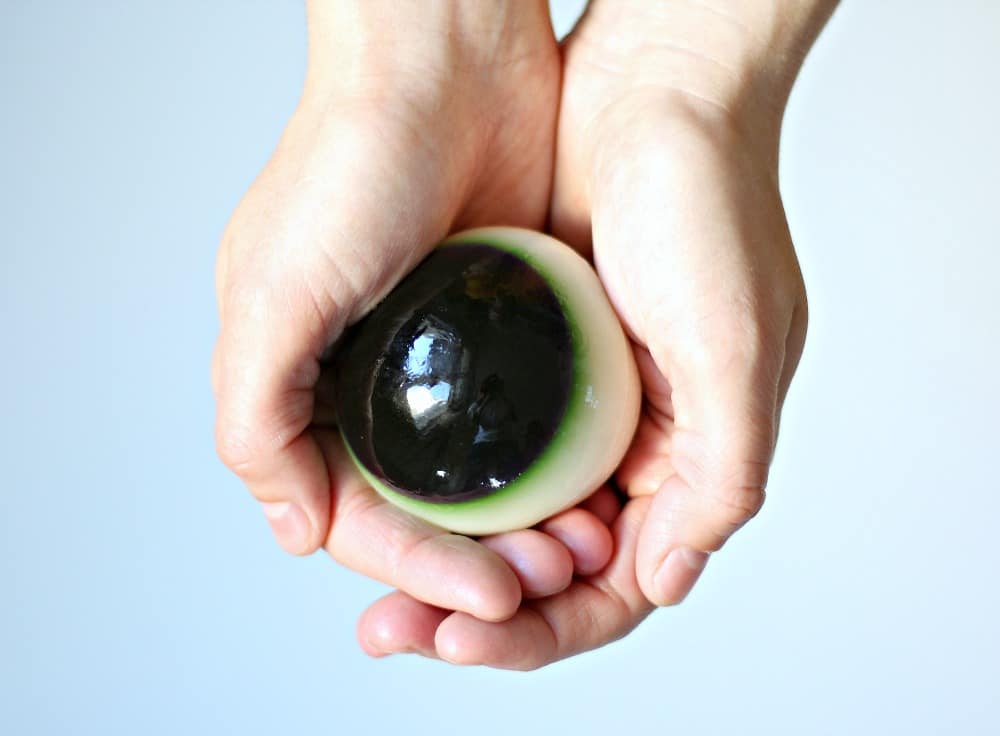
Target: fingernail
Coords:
[[289, 524], [374, 650], [678, 573]]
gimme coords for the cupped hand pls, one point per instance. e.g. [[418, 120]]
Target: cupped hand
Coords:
[[417, 122], [666, 175]]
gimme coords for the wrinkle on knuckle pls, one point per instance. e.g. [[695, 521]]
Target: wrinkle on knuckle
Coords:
[[300, 286], [234, 446], [742, 497], [351, 512], [403, 552], [535, 657], [732, 340], [623, 616], [732, 336], [248, 438], [407, 546], [247, 300]]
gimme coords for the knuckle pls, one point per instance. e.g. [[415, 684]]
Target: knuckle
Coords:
[[234, 444], [737, 336], [247, 299], [742, 496], [255, 425], [736, 340]]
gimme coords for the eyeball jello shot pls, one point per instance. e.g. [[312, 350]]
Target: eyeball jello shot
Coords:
[[492, 388]]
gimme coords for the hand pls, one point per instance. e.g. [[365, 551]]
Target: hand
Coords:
[[667, 155], [417, 122]]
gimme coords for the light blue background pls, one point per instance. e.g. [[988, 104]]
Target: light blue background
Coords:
[[140, 591]]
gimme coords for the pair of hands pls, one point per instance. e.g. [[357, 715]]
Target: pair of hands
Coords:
[[654, 157]]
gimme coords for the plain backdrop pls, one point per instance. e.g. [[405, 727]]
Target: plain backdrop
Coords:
[[140, 590]]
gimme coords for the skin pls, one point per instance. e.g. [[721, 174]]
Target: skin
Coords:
[[649, 141]]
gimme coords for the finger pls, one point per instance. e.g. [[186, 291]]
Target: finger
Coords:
[[603, 504], [590, 613], [398, 623], [264, 369], [542, 565], [697, 267], [721, 443], [377, 539], [585, 536], [309, 249], [648, 460]]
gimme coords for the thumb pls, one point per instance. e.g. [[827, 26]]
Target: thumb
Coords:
[[303, 257], [725, 404], [265, 367]]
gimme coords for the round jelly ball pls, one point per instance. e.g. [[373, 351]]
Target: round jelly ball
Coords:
[[492, 388]]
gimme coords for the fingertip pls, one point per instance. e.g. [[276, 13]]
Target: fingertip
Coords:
[[442, 569], [450, 642], [367, 634], [481, 581], [291, 483], [370, 648], [465, 641], [603, 504], [677, 575], [398, 623], [290, 526], [586, 538], [680, 531], [497, 599], [541, 564], [523, 643]]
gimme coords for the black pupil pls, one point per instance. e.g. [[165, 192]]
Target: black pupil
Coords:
[[459, 379]]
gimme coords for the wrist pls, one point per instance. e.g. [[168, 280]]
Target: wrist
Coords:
[[737, 59], [362, 46]]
